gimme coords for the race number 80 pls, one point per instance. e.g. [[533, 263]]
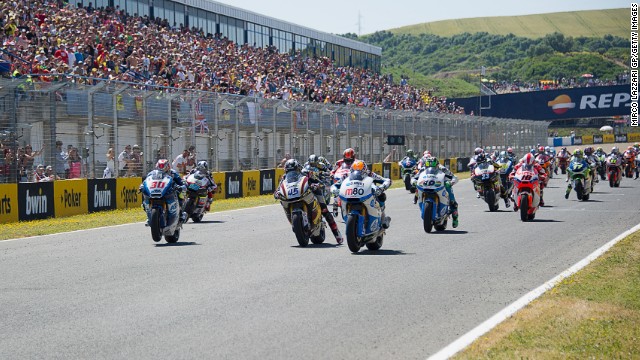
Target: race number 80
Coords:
[[355, 192]]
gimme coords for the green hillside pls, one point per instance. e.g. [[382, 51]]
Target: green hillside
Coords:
[[590, 23]]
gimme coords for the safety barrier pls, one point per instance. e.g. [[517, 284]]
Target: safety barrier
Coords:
[[32, 201], [593, 139]]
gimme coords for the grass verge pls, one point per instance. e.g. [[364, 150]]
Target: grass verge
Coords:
[[117, 217], [593, 314]]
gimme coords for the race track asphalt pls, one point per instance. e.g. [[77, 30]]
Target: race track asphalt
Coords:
[[237, 286]]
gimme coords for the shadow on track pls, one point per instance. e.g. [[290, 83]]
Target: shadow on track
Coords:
[[179, 243], [209, 222], [545, 221], [317, 246], [449, 232], [382, 252]]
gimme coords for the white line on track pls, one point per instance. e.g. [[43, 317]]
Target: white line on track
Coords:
[[468, 338]]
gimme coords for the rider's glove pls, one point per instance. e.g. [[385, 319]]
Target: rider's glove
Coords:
[[335, 191]]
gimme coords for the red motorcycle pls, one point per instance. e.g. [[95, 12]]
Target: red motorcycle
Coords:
[[563, 162], [613, 171], [526, 192]]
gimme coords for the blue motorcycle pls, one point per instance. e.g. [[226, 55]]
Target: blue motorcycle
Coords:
[[161, 204], [433, 199], [407, 167]]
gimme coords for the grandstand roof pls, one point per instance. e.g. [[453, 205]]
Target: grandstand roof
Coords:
[[264, 20]]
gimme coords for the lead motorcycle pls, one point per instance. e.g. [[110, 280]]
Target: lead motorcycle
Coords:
[[487, 181], [197, 191], [303, 210], [361, 212], [408, 167], [161, 203], [433, 199], [526, 192]]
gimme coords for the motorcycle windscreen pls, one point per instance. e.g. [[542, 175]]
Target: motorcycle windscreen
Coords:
[[293, 177], [357, 175]]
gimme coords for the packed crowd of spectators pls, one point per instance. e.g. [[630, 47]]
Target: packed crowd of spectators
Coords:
[[585, 80], [55, 38]]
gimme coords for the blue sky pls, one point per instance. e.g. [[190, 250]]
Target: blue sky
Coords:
[[341, 16]]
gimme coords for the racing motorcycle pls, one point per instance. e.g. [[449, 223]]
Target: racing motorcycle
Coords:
[[579, 180], [506, 166], [433, 199], [563, 162], [161, 203], [629, 165], [304, 213], [545, 163], [197, 184], [613, 171], [526, 192], [338, 177], [408, 167], [487, 182], [361, 212]]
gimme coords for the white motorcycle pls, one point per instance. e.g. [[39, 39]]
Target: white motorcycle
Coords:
[[433, 199], [297, 199], [362, 212]]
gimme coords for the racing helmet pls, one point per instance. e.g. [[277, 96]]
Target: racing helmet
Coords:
[[540, 149], [503, 153], [292, 165], [547, 149], [636, 145], [533, 151], [202, 166], [630, 148], [426, 153], [358, 165], [564, 148], [478, 151], [410, 153], [599, 149], [313, 160], [349, 155], [528, 159], [588, 150], [510, 151], [614, 150], [432, 162], [481, 158], [578, 153], [163, 165]]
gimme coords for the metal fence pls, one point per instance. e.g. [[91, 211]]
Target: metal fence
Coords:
[[232, 132]]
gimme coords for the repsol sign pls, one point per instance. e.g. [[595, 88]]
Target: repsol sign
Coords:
[[35, 201], [267, 182], [101, 194], [233, 184]]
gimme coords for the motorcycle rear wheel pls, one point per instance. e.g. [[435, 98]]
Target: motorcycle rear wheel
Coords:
[[172, 239], [197, 217], [320, 238], [427, 221], [352, 234], [154, 224], [490, 198], [376, 245], [298, 229]]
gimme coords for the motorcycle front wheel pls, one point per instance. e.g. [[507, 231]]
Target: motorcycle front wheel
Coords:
[[490, 198], [427, 221], [298, 229], [352, 234], [524, 208], [154, 224]]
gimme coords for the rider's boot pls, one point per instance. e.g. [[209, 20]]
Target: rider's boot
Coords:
[[566, 194], [453, 205], [207, 207], [332, 223]]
